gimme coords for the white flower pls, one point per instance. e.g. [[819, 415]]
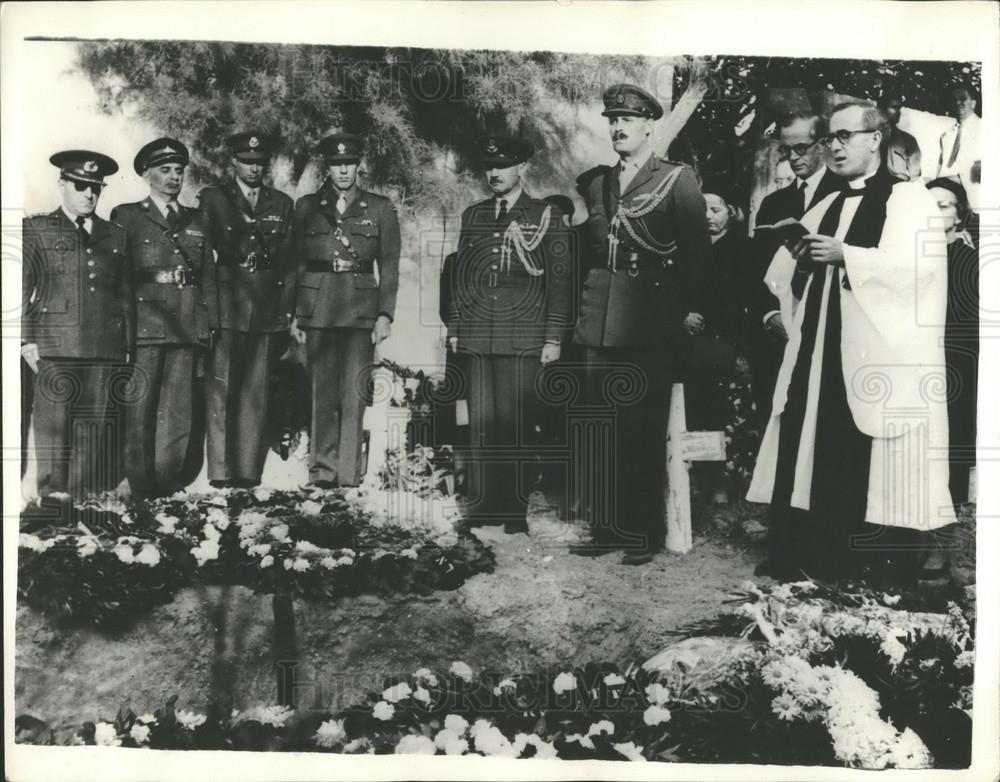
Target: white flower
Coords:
[[965, 659], [614, 680], [305, 547], [397, 692], [279, 532], [259, 549], [601, 726], [505, 684], [630, 751], [218, 517], [344, 561], [383, 711], [456, 723], [409, 553], [147, 718], [490, 741], [35, 543], [149, 555], [890, 600], [124, 552], [461, 670], [168, 524], [310, 508], [451, 742], [543, 749], [219, 499], [420, 694], [415, 745], [139, 733], [276, 716], [910, 751], [329, 733], [426, 675], [267, 561], [785, 708], [211, 533], [251, 522], [657, 693], [287, 563], [656, 715], [86, 546], [261, 494], [189, 720], [206, 550], [892, 648], [356, 745], [300, 564], [105, 736], [564, 682]]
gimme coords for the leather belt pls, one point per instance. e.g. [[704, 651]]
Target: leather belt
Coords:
[[338, 266], [176, 275], [252, 263]]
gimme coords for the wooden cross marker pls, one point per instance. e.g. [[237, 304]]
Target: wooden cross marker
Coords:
[[684, 447]]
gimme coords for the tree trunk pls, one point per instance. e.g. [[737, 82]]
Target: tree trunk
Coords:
[[686, 105]]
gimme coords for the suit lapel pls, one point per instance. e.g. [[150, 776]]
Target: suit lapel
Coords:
[[239, 199], [100, 230], [152, 212]]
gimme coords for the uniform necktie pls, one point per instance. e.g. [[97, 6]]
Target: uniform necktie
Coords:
[[502, 210], [81, 224], [252, 199], [172, 216], [954, 149], [342, 204]]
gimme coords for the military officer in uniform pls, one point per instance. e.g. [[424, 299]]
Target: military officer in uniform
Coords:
[[250, 225], [177, 308], [646, 233], [510, 306], [347, 243], [78, 325]]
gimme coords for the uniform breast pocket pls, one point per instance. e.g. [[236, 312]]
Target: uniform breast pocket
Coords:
[[365, 281], [318, 244], [154, 252], [364, 239]]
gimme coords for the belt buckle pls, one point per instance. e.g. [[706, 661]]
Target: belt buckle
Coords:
[[251, 262], [633, 270], [180, 276]]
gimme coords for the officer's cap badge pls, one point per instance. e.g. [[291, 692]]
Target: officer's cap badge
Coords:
[[90, 166], [491, 146], [341, 148], [254, 142], [620, 97]]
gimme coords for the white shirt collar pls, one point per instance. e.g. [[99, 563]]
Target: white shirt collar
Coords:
[[634, 163], [162, 205], [510, 198], [813, 180], [246, 189], [88, 222]]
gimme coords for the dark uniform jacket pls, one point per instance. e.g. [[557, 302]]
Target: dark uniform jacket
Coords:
[[77, 293], [644, 302], [776, 206], [496, 305], [254, 268], [184, 309], [336, 286]]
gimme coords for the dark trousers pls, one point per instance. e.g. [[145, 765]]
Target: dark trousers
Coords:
[[70, 417], [340, 369], [618, 445], [765, 355], [165, 419], [236, 387], [504, 433]]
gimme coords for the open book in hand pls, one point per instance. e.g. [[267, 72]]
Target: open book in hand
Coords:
[[787, 231]]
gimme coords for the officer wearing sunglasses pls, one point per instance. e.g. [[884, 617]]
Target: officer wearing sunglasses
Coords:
[[77, 326]]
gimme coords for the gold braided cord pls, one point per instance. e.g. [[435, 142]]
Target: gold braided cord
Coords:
[[624, 216], [514, 237]]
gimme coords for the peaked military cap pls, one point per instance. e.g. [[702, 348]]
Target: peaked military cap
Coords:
[[629, 100], [162, 150], [341, 148], [505, 151], [82, 165], [251, 146]]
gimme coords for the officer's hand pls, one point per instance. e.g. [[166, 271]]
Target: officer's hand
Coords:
[[382, 329], [30, 354], [694, 323], [297, 334], [776, 328], [825, 249], [551, 352]]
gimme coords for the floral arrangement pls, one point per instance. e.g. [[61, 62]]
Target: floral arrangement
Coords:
[[119, 560], [813, 677]]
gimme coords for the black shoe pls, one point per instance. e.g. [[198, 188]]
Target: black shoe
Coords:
[[638, 558]]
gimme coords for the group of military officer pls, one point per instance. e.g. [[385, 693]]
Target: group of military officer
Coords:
[[168, 320], [182, 298], [522, 287]]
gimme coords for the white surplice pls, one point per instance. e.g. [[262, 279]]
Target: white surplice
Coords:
[[892, 353]]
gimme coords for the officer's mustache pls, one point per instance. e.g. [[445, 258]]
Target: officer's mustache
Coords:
[[619, 136], [495, 181]]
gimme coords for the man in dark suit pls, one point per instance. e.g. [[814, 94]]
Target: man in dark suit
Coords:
[[78, 323], [509, 310], [250, 225], [646, 234], [347, 244], [177, 306], [799, 136]]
